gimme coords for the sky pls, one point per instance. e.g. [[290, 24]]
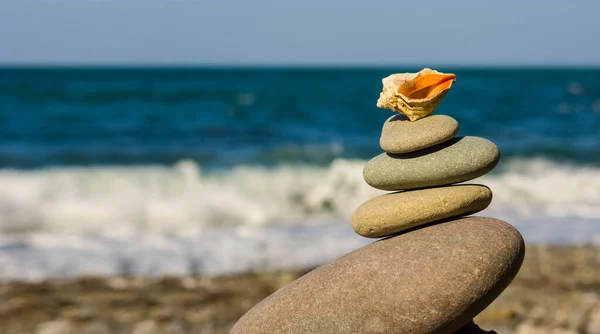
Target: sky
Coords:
[[308, 32]]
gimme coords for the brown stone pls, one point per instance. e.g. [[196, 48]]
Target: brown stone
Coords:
[[431, 280], [392, 213], [399, 135]]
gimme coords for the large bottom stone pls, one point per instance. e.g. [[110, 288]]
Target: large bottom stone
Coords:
[[431, 280]]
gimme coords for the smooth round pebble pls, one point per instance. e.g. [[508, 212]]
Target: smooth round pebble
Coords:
[[399, 135], [431, 280], [457, 160], [392, 213]]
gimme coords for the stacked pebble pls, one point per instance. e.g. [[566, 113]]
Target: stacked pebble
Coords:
[[424, 158], [435, 269]]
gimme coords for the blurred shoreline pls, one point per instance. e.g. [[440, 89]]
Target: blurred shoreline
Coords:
[[213, 171], [557, 291]]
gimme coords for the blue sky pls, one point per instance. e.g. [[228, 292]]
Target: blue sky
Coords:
[[309, 32]]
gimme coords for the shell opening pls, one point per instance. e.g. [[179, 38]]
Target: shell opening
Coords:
[[427, 85]]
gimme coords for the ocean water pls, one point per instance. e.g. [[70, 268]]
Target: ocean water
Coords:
[[175, 171]]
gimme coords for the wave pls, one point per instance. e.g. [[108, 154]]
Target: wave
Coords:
[[539, 187], [183, 198], [178, 220]]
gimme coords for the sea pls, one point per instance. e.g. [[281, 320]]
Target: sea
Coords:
[[178, 171]]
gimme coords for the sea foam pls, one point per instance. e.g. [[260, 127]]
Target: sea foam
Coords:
[[183, 198], [175, 199], [63, 222]]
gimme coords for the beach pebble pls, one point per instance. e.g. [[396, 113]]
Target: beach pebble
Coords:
[[457, 160], [399, 135], [391, 213], [431, 280]]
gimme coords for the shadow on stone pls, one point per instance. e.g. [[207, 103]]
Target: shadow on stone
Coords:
[[425, 151], [437, 222], [398, 118]]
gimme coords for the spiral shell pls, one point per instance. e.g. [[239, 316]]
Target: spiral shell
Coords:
[[415, 95]]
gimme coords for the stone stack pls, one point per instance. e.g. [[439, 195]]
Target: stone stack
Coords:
[[435, 269], [424, 158]]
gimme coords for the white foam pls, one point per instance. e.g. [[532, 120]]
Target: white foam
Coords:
[[538, 187], [183, 198], [174, 220], [161, 199], [227, 250]]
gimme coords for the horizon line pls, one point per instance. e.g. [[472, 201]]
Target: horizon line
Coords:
[[209, 66]]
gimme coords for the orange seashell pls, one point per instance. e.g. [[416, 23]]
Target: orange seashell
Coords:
[[415, 95]]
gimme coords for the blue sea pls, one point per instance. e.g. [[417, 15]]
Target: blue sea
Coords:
[[175, 171]]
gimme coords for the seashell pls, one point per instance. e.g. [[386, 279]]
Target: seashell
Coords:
[[415, 95]]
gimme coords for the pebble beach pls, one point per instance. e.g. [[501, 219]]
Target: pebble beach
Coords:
[[556, 291]]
